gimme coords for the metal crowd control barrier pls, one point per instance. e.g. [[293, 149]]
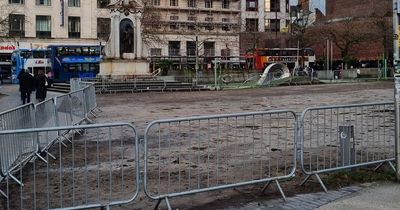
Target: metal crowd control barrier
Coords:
[[46, 116], [198, 154], [98, 169], [77, 106], [347, 136], [16, 150]]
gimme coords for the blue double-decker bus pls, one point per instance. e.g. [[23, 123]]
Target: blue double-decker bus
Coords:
[[34, 60], [74, 61]]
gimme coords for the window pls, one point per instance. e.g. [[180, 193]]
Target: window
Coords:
[[226, 27], [173, 26], [192, 18], [102, 3], [173, 3], [43, 2], [251, 24], [275, 5], [103, 28], [209, 27], [272, 25], [43, 26], [155, 2], [155, 51], [174, 17], [74, 27], [208, 19], [74, 3], [16, 1], [190, 48], [191, 27], [225, 4], [191, 3], [174, 48], [17, 25], [209, 49], [251, 5], [208, 3], [225, 52]]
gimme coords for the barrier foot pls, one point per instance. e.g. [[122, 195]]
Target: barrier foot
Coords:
[[379, 166], [279, 188], [305, 180], [392, 166], [3, 194], [89, 120], [65, 139], [15, 179], [321, 183], [49, 154], [319, 180], [41, 158], [265, 187], [166, 201], [158, 204], [93, 114]]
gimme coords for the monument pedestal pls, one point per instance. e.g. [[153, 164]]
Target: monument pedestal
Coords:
[[124, 67]]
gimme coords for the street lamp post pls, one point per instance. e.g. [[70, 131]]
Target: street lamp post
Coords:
[[397, 86]]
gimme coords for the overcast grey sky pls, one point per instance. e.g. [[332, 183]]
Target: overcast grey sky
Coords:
[[320, 4]]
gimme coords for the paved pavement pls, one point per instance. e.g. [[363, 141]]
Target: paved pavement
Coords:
[[303, 202], [365, 197], [10, 97], [378, 196]]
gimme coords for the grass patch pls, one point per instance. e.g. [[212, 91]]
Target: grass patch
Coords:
[[357, 176]]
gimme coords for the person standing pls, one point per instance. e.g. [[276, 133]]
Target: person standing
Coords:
[[26, 85], [41, 86]]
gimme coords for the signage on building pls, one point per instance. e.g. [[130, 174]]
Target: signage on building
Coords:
[[7, 48], [62, 13]]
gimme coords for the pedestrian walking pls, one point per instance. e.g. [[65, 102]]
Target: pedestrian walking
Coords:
[[26, 86], [41, 86], [1, 76]]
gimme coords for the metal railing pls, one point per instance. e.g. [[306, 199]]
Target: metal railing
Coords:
[[66, 110], [198, 154], [347, 136], [99, 170]]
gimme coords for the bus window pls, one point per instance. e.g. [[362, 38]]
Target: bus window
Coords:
[[85, 67], [95, 67], [48, 54], [85, 51], [26, 54], [38, 54]]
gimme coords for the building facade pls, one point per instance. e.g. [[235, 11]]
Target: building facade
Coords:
[[186, 28]]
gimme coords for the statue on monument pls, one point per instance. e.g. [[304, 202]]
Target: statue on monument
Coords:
[[126, 37]]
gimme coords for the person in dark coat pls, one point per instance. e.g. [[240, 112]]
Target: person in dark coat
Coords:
[[26, 86], [41, 86]]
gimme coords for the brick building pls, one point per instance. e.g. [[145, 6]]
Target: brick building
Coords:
[[372, 18]]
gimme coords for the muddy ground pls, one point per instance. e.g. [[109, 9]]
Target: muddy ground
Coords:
[[217, 153], [142, 108]]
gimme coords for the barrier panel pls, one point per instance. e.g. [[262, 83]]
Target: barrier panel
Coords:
[[64, 110], [347, 136], [16, 150], [46, 116], [98, 169], [199, 154], [78, 105]]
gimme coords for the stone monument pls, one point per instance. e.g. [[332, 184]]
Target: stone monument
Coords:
[[124, 49]]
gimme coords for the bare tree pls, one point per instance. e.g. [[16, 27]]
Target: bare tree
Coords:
[[4, 18], [381, 18], [346, 34]]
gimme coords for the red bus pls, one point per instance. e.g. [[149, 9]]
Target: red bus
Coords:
[[289, 56]]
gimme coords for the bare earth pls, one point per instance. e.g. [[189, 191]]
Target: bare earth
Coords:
[[143, 108], [187, 159]]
